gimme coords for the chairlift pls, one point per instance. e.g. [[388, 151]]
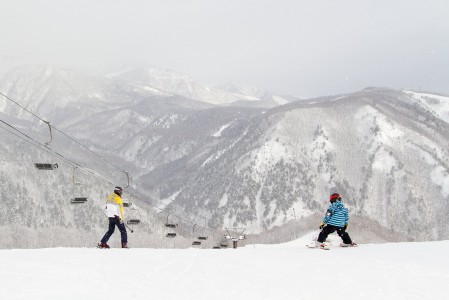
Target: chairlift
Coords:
[[223, 245], [235, 234], [73, 177], [128, 203], [203, 238], [133, 222], [170, 225], [44, 166], [127, 176], [196, 243], [216, 247], [51, 135], [78, 200]]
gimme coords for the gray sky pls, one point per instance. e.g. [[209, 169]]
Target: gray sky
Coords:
[[302, 48]]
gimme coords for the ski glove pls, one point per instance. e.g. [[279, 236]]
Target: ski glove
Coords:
[[322, 225], [345, 227]]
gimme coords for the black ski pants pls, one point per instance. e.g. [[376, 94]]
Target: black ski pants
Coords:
[[328, 229], [121, 226]]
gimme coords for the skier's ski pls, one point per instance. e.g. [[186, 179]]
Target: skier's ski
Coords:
[[322, 246], [325, 247]]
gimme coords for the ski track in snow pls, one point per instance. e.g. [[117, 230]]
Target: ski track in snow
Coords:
[[285, 271]]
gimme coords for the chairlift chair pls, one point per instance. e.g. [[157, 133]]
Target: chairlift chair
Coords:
[[45, 166], [216, 247], [168, 224], [78, 200], [133, 222], [203, 238], [196, 243]]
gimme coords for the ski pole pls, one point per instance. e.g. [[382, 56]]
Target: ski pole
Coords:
[[128, 227]]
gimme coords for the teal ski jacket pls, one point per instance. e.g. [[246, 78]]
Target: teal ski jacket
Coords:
[[337, 215]]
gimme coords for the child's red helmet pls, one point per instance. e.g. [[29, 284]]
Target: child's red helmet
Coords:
[[335, 197]]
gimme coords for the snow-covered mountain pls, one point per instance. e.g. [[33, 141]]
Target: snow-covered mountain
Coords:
[[50, 92], [264, 97], [385, 154], [167, 82], [385, 151]]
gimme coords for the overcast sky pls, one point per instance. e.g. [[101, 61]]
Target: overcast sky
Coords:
[[302, 48]]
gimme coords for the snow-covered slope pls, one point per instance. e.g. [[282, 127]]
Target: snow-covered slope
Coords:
[[289, 271], [437, 105]]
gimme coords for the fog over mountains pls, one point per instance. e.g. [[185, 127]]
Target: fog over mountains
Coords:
[[227, 156]]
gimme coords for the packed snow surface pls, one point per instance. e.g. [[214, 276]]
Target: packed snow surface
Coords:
[[286, 271]]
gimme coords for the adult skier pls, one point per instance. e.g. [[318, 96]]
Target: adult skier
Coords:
[[336, 219], [116, 215]]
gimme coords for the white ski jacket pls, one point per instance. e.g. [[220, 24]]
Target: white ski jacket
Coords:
[[114, 207]]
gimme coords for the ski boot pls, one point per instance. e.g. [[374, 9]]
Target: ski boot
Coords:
[[103, 246], [325, 246], [348, 245], [125, 245]]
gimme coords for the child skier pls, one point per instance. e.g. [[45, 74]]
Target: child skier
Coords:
[[336, 219], [116, 215]]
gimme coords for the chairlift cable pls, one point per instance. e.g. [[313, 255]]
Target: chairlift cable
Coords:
[[75, 141], [91, 151], [50, 151], [53, 153], [64, 134], [24, 108]]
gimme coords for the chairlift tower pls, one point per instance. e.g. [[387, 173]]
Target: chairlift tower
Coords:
[[235, 234]]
